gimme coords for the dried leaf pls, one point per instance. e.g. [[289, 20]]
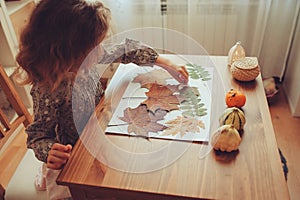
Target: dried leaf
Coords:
[[183, 125], [197, 72], [188, 92], [161, 97], [191, 103], [141, 121], [158, 76]]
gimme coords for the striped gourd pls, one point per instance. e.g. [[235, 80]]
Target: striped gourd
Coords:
[[233, 116]]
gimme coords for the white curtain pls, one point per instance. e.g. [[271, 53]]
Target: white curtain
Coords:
[[128, 15], [265, 27], [278, 36], [217, 25]]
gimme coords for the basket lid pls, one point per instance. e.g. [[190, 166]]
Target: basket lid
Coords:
[[246, 63]]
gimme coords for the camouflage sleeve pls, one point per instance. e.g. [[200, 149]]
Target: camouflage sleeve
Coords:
[[131, 51]]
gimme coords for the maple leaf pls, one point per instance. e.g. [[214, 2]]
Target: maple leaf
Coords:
[[183, 125], [141, 121], [161, 97], [158, 76]]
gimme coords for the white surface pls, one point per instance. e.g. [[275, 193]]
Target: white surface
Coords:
[[134, 95], [21, 186]]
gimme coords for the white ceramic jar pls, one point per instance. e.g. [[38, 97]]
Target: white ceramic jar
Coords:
[[235, 53]]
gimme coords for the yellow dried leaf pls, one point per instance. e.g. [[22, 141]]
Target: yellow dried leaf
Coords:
[[183, 125]]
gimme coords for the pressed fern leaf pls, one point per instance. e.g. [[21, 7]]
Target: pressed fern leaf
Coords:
[[197, 72], [191, 104]]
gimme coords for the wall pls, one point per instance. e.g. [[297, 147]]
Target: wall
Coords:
[[291, 81]]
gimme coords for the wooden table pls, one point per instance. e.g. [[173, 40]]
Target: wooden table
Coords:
[[253, 172]]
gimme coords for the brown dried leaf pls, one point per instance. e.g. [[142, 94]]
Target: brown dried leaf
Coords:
[[158, 76], [141, 121], [161, 97], [183, 125]]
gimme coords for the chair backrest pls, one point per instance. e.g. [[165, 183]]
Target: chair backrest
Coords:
[[7, 127], [2, 192]]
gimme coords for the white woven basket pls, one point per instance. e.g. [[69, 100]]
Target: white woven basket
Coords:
[[245, 69]]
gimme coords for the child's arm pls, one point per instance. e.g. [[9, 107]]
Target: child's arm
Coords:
[[178, 72], [53, 120], [136, 52], [40, 140]]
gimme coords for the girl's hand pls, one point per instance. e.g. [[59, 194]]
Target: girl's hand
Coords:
[[178, 72], [58, 155]]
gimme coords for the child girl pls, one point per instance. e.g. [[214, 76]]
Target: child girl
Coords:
[[58, 37]]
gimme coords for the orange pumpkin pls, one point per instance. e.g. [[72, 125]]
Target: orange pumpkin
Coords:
[[235, 98]]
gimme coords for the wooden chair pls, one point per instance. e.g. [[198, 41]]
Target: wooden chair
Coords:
[[23, 116], [2, 192]]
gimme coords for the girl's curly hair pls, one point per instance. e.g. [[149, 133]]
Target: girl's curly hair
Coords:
[[59, 35]]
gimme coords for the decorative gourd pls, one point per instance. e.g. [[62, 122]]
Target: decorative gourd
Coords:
[[233, 116], [235, 98], [235, 53], [226, 138]]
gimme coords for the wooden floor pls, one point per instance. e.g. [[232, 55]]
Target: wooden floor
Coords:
[[287, 130], [11, 157]]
